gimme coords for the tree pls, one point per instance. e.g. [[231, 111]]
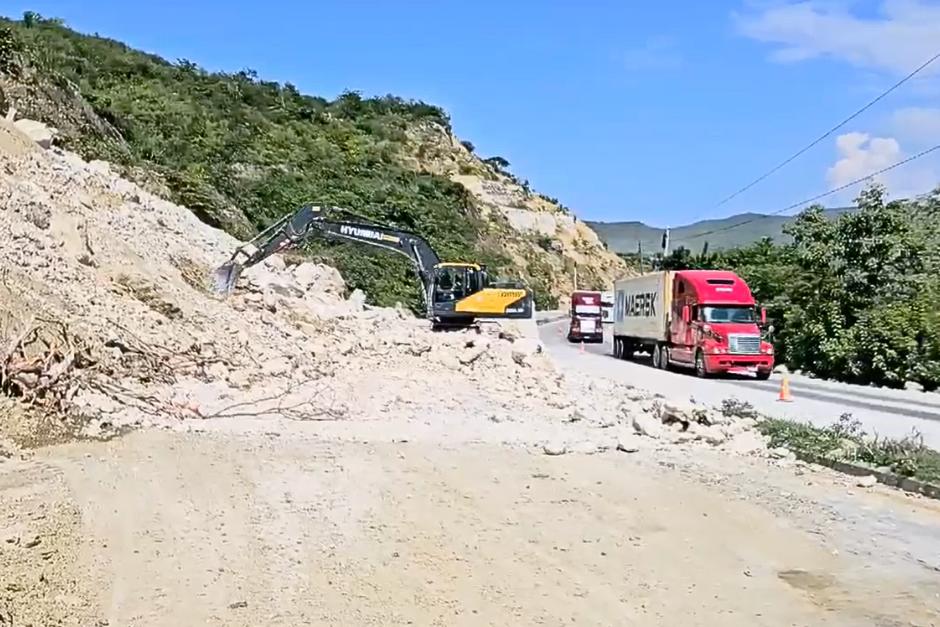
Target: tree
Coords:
[[679, 259], [31, 19], [497, 162], [857, 302]]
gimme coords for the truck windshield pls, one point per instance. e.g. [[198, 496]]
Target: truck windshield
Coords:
[[728, 314]]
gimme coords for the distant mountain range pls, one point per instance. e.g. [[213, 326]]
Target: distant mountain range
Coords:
[[737, 230]]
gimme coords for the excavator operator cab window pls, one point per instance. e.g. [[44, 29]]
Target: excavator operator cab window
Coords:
[[455, 282], [443, 285], [448, 284]]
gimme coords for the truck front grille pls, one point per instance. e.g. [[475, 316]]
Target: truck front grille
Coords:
[[744, 344]]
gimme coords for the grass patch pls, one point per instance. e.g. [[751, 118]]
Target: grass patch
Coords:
[[846, 441]]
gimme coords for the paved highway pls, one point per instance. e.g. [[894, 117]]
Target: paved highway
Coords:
[[885, 412]]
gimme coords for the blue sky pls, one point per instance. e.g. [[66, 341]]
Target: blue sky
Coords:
[[623, 110]]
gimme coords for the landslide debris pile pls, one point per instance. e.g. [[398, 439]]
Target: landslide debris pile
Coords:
[[107, 316], [630, 419]]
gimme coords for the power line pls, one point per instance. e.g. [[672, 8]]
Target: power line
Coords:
[[819, 196], [832, 130]]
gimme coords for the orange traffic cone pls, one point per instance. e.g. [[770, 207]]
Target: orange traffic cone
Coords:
[[785, 391]]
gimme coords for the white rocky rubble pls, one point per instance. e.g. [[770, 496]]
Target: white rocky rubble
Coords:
[[630, 419], [127, 274]]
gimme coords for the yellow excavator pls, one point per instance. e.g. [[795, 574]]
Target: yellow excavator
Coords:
[[456, 294]]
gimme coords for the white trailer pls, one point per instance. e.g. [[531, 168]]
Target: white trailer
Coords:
[[641, 313]]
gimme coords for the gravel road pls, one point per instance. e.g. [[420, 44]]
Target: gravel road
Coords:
[[887, 412], [288, 528]]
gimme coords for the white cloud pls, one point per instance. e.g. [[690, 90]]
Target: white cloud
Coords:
[[860, 154], [657, 53], [903, 34]]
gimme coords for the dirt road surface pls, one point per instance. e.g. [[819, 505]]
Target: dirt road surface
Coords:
[[313, 524]]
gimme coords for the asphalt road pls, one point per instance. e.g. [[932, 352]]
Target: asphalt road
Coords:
[[893, 413]]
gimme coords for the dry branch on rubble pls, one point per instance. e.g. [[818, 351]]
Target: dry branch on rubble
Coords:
[[301, 407], [43, 364], [39, 363]]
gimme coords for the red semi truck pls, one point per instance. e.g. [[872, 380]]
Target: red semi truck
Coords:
[[701, 319], [585, 324]]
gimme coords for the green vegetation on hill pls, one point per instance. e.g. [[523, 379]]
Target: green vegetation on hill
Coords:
[[240, 151], [853, 299], [731, 232]]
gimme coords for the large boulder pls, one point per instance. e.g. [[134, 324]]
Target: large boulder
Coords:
[[37, 131], [647, 424], [318, 277]]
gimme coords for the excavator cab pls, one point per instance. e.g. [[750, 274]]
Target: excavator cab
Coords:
[[461, 291]]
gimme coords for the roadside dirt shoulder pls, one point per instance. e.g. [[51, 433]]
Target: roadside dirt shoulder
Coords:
[[218, 529]]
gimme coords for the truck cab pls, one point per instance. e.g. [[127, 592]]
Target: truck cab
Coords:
[[585, 317], [715, 326]]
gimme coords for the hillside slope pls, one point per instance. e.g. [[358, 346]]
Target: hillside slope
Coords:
[[721, 234], [106, 319], [240, 152], [543, 239]]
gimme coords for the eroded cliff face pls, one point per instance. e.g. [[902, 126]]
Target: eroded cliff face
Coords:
[[548, 245]]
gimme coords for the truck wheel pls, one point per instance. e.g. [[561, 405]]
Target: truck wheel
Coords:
[[657, 357], [701, 370], [763, 375], [664, 357], [618, 348]]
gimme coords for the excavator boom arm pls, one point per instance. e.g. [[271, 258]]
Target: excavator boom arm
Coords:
[[310, 221]]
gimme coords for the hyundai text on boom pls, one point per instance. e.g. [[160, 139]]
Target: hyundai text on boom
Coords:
[[701, 319]]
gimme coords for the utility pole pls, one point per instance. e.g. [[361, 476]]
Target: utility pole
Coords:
[[639, 253], [665, 243]]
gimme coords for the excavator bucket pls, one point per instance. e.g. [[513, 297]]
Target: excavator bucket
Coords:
[[226, 276]]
